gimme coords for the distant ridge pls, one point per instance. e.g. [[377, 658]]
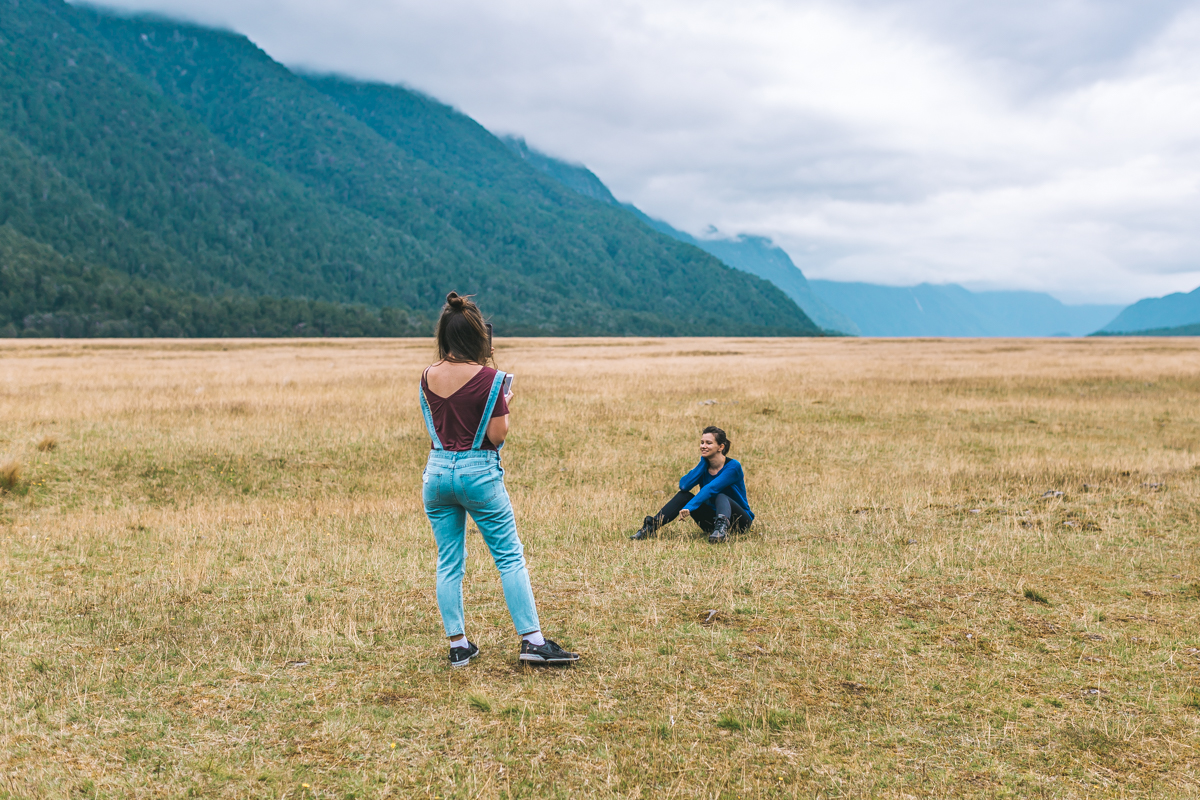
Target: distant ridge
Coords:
[[951, 310], [1181, 330], [1158, 314], [760, 256]]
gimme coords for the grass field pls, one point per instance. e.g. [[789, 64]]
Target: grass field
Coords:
[[217, 579]]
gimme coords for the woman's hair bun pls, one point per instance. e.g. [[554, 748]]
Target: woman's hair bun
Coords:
[[461, 333]]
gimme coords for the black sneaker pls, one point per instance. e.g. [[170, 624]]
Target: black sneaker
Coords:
[[461, 656], [720, 531], [548, 653], [649, 528]]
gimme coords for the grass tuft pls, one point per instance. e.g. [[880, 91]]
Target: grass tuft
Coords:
[[479, 703], [10, 474], [727, 721], [782, 720], [1036, 596], [47, 443]]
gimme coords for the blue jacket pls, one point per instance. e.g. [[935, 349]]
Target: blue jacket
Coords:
[[729, 481]]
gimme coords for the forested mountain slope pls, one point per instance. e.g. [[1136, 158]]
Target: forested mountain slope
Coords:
[[74, 299], [754, 254], [575, 177], [198, 215], [570, 243], [188, 160]]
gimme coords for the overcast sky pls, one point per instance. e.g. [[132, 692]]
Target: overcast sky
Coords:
[[1036, 144]]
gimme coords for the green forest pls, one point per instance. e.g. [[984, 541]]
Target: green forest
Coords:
[[162, 179], [73, 300]]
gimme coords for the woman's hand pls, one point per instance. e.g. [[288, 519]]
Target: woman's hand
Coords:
[[508, 397], [684, 513]]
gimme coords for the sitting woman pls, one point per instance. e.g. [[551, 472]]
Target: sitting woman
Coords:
[[720, 507]]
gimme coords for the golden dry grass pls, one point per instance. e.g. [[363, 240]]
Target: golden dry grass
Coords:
[[220, 582]]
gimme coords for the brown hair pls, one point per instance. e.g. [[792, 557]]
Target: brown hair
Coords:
[[461, 332], [720, 436]]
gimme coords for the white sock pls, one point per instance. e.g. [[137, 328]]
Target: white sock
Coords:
[[461, 643], [536, 639]]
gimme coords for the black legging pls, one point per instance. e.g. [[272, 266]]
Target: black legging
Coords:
[[705, 516]]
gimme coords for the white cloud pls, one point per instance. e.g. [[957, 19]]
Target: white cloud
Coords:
[[1050, 145]]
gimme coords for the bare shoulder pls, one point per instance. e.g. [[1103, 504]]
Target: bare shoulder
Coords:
[[444, 378]]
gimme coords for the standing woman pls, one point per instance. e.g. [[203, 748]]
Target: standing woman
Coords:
[[467, 418], [720, 507]]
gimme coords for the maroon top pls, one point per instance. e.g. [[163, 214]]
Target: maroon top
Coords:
[[456, 418]]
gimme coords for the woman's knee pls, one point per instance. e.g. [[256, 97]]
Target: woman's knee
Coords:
[[507, 551], [499, 532], [452, 565]]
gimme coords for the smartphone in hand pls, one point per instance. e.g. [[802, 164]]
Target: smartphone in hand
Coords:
[[506, 384]]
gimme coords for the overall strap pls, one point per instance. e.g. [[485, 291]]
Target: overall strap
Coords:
[[437, 443], [487, 411]]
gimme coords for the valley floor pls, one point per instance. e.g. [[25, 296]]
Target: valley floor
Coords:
[[974, 573]]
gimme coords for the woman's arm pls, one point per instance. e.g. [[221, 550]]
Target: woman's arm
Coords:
[[497, 427], [693, 477], [726, 477]]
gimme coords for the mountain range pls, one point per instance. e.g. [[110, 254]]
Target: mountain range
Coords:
[[159, 178], [951, 310], [146, 161], [859, 308]]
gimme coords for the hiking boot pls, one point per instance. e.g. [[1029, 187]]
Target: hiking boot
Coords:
[[720, 531], [461, 656], [649, 528], [548, 653]]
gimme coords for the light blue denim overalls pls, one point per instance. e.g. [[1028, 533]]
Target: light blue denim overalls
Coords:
[[473, 481]]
